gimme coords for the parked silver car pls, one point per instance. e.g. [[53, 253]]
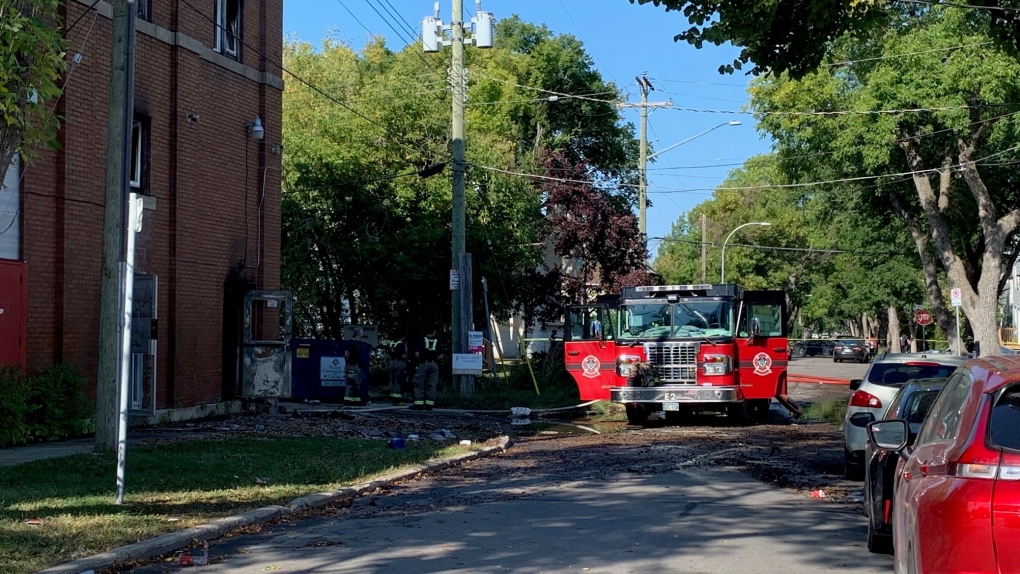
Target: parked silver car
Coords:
[[873, 393]]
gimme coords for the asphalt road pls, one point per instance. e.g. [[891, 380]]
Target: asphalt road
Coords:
[[640, 500]]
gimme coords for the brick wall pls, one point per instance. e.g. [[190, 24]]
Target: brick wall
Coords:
[[204, 175]]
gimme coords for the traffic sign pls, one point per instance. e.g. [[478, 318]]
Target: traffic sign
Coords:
[[956, 296], [923, 317]]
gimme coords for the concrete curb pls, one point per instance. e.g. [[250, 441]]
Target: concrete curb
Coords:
[[166, 543]]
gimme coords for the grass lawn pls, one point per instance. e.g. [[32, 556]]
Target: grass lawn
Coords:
[[172, 486]]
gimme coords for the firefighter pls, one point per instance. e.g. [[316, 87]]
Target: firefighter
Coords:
[[426, 378], [398, 370], [356, 356]]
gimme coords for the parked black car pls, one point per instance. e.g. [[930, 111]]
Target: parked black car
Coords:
[[850, 349], [911, 403], [811, 348]]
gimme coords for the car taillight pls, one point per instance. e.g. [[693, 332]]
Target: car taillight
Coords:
[[979, 461], [865, 399]]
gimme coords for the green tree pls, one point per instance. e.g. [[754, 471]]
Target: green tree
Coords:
[[33, 60], [366, 238], [943, 163], [793, 36], [840, 270]]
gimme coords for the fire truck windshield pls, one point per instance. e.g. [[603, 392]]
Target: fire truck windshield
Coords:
[[676, 320]]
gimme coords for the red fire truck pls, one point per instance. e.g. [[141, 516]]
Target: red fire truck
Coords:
[[680, 348]]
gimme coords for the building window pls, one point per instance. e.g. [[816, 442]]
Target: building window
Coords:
[[145, 10], [228, 26], [137, 151]]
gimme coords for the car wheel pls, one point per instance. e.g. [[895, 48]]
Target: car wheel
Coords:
[[835, 360], [878, 543], [636, 415], [798, 352], [852, 468]]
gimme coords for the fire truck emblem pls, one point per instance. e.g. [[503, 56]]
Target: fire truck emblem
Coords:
[[590, 366], [762, 364]]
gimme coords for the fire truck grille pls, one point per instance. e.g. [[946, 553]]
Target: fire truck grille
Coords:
[[674, 363]]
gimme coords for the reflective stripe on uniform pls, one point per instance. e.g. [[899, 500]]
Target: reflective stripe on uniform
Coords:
[[430, 344]]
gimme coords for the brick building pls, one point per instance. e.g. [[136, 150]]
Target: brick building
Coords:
[[205, 69]]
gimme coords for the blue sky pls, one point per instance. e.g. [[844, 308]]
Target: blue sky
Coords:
[[624, 40]]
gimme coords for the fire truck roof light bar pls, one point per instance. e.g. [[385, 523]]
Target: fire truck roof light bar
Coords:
[[670, 288]]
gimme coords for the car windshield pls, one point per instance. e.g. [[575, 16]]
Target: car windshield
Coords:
[[1005, 423], [676, 320], [892, 374]]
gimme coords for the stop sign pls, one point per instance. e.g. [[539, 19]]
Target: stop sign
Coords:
[[922, 317]]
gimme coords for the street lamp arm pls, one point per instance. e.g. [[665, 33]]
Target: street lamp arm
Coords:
[[694, 137], [722, 267]]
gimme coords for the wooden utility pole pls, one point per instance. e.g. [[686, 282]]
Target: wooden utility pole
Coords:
[[118, 147], [459, 173]]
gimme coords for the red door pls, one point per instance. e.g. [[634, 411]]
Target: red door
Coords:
[[13, 312], [762, 345], [589, 351], [1005, 434]]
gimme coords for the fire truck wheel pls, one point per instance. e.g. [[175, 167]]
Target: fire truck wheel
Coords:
[[759, 409], [636, 414], [740, 413]]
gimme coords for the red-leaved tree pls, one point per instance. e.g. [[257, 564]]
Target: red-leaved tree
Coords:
[[594, 227]]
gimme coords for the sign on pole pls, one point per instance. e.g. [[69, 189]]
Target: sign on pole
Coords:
[[923, 317], [475, 344], [956, 297], [467, 364], [454, 280]]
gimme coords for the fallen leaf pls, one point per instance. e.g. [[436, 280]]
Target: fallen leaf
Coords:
[[272, 567]]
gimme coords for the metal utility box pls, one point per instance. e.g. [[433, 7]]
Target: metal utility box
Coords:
[[13, 312], [265, 344], [318, 370]]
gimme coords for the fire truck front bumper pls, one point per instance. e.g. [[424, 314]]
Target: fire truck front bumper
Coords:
[[675, 394]]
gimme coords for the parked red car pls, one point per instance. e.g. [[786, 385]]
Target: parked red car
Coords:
[[957, 501]]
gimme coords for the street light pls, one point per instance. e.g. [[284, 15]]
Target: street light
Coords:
[[722, 273], [694, 137], [642, 194]]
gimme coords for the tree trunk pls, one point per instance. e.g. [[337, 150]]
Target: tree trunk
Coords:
[[893, 340]]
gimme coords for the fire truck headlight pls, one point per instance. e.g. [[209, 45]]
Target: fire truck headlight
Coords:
[[626, 365], [716, 365]]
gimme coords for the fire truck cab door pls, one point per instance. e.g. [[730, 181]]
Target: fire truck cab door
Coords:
[[762, 345], [589, 350]]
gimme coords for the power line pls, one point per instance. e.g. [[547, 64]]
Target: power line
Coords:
[[905, 54], [775, 248], [845, 112], [964, 6], [906, 174]]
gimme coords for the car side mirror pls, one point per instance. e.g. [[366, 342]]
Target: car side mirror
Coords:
[[889, 435], [855, 384], [861, 419]]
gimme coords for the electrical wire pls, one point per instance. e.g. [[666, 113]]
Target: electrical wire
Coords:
[[844, 112], [774, 248], [764, 186], [964, 6], [905, 54]]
